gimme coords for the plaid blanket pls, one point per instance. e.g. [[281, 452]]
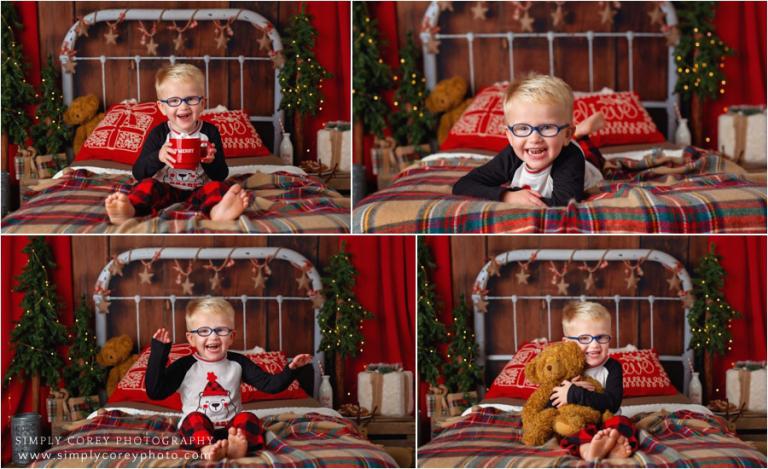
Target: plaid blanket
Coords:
[[491, 438], [281, 203], [115, 439], [702, 193]]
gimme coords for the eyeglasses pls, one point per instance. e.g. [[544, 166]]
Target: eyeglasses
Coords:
[[587, 339], [206, 331], [176, 101], [545, 130]]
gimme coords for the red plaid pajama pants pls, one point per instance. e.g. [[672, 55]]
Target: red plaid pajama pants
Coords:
[[150, 196], [197, 430], [621, 423], [591, 152]]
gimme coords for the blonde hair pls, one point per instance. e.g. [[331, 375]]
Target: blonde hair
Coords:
[[214, 305], [541, 89], [584, 310], [179, 72]]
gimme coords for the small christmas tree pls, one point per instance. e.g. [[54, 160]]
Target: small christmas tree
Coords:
[[710, 315], [371, 76], [341, 316], [412, 124], [431, 332], [83, 375], [16, 92], [50, 134], [301, 75], [462, 373], [37, 334]]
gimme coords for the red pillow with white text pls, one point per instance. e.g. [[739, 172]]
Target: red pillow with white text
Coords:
[[121, 134], [642, 373], [132, 388], [482, 125], [238, 135], [626, 120]]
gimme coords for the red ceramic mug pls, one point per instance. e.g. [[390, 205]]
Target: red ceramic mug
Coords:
[[189, 151]]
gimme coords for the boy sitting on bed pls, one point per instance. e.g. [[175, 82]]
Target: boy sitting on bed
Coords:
[[589, 325], [209, 382], [541, 166], [180, 90]]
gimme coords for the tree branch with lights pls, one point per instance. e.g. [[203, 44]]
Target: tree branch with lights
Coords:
[[50, 134], [412, 123], [83, 376], [462, 373], [16, 92], [431, 332]]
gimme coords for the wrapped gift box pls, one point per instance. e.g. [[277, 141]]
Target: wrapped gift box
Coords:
[[745, 383], [742, 135], [334, 146], [386, 388], [458, 402]]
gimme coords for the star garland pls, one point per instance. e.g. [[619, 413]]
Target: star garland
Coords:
[[116, 266], [318, 300], [70, 64], [433, 44], [522, 274], [303, 281], [558, 16], [265, 43], [151, 45], [589, 282], [445, 6], [607, 13], [634, 272], [178, 42], [480, 11], [182, 277], [261, 271], [82, 27], [101, 295], [558, 276], [481, 303], [111, 36], [146, 275], [493, 268], [673, 281], [526, 21], [216, 279], [222, 32]]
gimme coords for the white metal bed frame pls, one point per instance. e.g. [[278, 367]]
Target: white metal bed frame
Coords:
[[205, 254], [255, 19], [432, 15], [580, 255]]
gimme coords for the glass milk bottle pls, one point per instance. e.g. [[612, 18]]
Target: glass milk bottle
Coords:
[[682, 134], [694, 389], [326, 392], [286, 149]]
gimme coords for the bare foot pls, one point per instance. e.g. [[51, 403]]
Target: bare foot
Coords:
[[214, 452], [232, 204], [590, 125], [119, 208], [621, 449], [601, 443], [238, 445]]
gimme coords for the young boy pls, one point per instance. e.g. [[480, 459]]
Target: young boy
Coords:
[[589, 325], [180, 90], [209, 382], [541, 166]]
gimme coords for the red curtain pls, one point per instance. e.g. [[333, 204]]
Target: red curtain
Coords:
[[744, 260], [741, 25], [442, 279], [16, 398], [30, 43], [332, 21], [386, 279]]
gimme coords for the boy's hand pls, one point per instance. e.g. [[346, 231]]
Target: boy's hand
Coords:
[[300, 360], [524, 198], [210, 153], [167, 154], [559, 396], [583, 383], [162, 335]]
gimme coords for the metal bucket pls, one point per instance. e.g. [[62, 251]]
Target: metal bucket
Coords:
[[26, 439]]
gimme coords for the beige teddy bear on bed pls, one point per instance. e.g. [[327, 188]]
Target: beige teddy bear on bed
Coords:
[[116, 353], [84, 113]]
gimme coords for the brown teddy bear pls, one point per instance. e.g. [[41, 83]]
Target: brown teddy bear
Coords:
[[83, 113], [116, 353], [448, 96], [557, 362]]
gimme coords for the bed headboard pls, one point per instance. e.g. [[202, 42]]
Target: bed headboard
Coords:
[[430, 31], [68, 49], [143, 303], [635, 257]]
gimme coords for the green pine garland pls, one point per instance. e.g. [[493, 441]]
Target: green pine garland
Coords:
[[37, 334], [16, 92], [431, 332], [412, 123], [340, 319], [371, 76], [50, 134], [301, 74], [710, 314], [83, 376], [462, 373], [700, 54]]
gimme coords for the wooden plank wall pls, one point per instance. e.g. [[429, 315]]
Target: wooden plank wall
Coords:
[[55, 18], [571, 56], [91, 253], [469, 254]]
